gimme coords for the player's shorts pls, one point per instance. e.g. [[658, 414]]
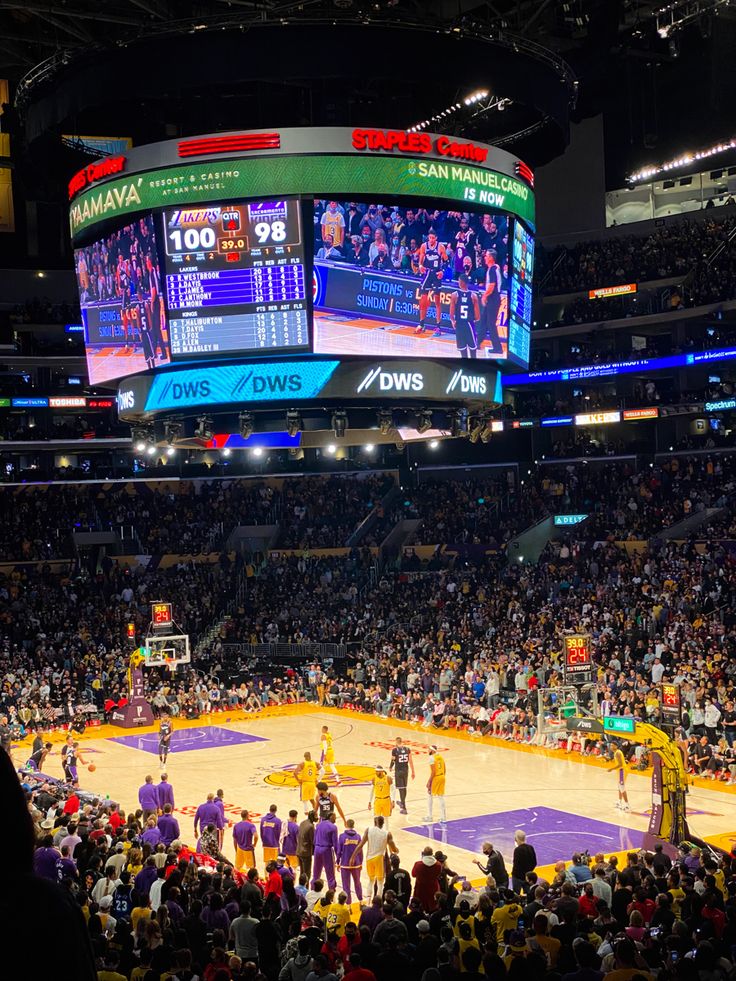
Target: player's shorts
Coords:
[[309, 791], [329, 757], [292, 861], [465, 335], [163, 747], [430, 283], [270, 854], [438, 787], [375, 868], [244, 859], [70, 772], [401, 777], [382, 807], [621, 778]]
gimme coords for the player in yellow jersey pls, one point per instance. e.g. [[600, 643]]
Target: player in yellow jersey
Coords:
[[328, 755], [619, 763], [380, 797], [436, 785], [306, 775]]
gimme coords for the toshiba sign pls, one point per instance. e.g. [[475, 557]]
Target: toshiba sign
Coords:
[[389, 140]]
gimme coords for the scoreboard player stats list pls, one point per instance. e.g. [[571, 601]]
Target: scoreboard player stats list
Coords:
[[235, 279], [237, 309]]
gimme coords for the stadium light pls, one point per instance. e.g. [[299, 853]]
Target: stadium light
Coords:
[[257, 451], [433, 444], [385, 421], [246, 424], [369, 447], [424, 420], [339, 423], [294, 422], [172, 430], [226, 451], [204, 428], [142, 438], [476, 430], [332, 449], [683, 160]]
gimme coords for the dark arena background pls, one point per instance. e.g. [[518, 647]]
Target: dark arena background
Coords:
[[367, 560]]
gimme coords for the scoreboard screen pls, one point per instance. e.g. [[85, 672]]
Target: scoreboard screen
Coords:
[[671, 702], [161, 615], [235, 279], [520, 305]]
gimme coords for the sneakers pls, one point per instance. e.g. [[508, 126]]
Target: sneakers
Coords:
[[420, 329]]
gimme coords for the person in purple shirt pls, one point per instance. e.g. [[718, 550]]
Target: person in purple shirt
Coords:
[[208, 813], [66, 867], [350, 860], [168, 826], [220, 803], [372, 915], [148, 798], [146, 877], [270, 835], [325, 846], [45, 858], [152, 835], [245, 839], [165, 793]]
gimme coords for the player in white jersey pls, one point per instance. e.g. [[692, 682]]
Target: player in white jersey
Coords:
[[375, 841]]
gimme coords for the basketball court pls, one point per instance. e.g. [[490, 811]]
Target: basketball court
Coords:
[[564, 803]]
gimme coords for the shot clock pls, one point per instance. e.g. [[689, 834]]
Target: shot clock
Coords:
[[235, 278], [578, 662], [161, 618], [671, 703]]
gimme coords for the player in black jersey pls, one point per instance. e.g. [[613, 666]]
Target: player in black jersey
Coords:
[[165, 731], [432, 258], [401, 762], [327, 802], [464, 315]]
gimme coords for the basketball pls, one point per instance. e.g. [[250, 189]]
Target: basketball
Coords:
[[92, 768]]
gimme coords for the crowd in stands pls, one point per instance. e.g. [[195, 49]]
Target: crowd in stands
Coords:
[[323, 513], [678, 249], [462, 647]]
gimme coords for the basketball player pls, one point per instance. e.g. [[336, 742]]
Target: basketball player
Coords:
[[270, 835], [124, 291], [165, 731], [619, 763], [328, 755], [431, 259], [436, 785], [327, 803], [375, 840], [38, 757], [380, 797], [70, 756], [289, 835], [245, 839], [350, 860], [401, 762], [153, 307], [491, 303], [306, 775], [464, 315]]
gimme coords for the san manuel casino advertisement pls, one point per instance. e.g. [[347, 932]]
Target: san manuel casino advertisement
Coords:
[[332, 242]]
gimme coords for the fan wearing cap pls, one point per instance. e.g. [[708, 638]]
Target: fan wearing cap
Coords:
[[436, 785], [380, 797]]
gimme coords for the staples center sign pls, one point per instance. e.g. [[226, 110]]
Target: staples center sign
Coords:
[[388, 140], [95, 172]]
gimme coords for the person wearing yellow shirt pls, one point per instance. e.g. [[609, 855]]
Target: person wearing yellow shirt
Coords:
[[110, 972], [337, 916], [619, 763], [436, 785], [380, 798], [504, 919], [306, 776]]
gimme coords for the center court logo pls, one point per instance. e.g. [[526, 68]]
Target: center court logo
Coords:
[[351, 775]]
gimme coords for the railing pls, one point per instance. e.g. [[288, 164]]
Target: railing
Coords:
[[291, 652]]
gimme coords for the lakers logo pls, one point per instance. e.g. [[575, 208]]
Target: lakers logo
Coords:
[[350, 776]]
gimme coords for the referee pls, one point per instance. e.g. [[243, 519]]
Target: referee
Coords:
[[491, 303], [401, 762]]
